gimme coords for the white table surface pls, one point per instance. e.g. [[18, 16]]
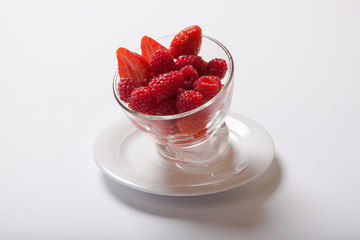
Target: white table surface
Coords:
[[297, 67]]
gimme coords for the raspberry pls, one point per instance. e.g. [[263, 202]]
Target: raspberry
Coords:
[[190, 76], [188, 100], [165, 128], [217, 67], [194, 125], [162, 62], [165, 86], [186, 42], [196, 61], [208, 86], [142, 100], [200, 133], [166, 107], [125, 87]]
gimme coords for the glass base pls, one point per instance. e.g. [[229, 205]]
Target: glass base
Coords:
[[206, 155]]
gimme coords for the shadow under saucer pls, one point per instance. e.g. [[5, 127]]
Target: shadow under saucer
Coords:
[[239, 207]]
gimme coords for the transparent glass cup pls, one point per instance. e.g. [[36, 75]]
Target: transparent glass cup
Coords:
[[197, 139]]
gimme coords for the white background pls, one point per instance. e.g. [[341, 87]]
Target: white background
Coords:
[[297, 73]]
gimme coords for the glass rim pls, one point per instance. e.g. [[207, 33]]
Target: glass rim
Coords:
[[183, 114]]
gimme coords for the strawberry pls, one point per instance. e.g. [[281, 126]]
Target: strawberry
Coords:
[[187, 42], [149, 46], [132, 65]]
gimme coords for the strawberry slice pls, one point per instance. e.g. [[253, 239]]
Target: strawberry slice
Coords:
[[132, 65], [187, 42], [149, 46]]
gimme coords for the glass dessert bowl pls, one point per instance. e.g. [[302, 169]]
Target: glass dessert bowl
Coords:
[[194, 147], [196, 139]]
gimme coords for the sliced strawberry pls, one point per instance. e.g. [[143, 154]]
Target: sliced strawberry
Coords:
[[187, 42], [132, 65], [149, 46]]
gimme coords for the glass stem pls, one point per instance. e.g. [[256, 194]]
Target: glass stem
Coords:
[[201, 154]]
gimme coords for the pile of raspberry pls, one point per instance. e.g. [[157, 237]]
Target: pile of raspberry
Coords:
[[166, 81]]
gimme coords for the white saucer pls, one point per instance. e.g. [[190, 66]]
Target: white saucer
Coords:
[[129, 157]]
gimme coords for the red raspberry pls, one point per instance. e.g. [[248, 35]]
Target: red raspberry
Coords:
[[186, 42], [162, 62], [145, 83], [190, 76], [142, 100], [125, 87], [164, 128], [166, 107], [165, 86], [196, 61], [194, 125], [208, 86], [188, 100], [217, 67]]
